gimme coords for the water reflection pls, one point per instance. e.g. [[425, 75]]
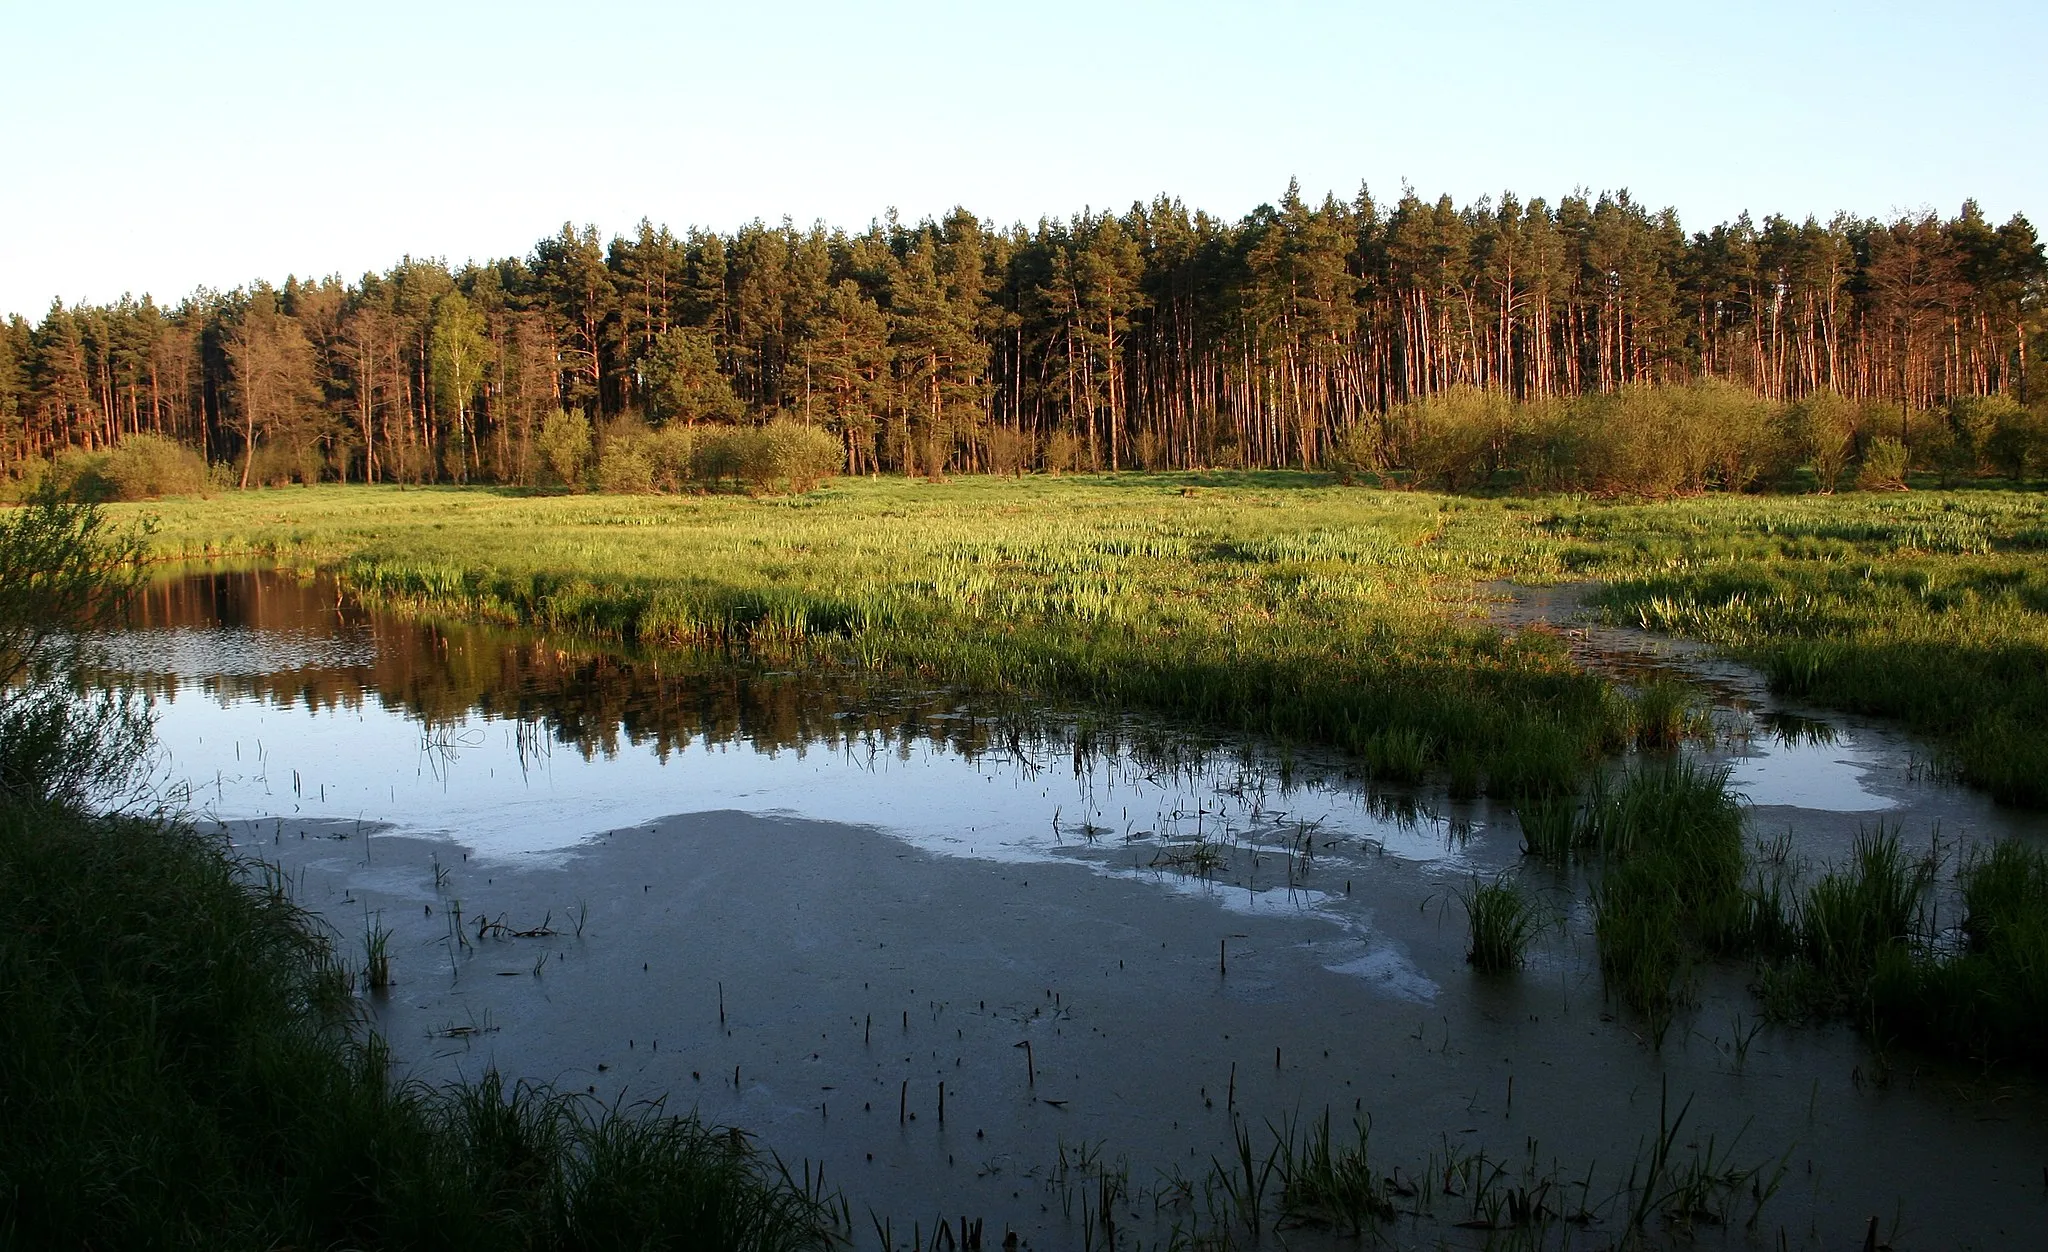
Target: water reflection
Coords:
[[517, 744]]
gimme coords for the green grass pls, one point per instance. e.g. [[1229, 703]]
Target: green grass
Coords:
[[1502, 918], [1864, 944], [181, 1067], [1956, 648], [1665, 842], [1276, 603], [1273, 604], [1930, 609]]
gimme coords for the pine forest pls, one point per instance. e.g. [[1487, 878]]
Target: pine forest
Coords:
[[1304, 334]]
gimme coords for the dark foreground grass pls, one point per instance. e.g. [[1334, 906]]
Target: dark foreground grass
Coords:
[[181, 1067], [1866, 944], [1673, 885]]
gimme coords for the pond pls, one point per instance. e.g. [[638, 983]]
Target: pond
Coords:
[[976, 961]]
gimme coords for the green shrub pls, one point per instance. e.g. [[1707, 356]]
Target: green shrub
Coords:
[[1976, 421], [1064, 452], [76, 474], [782, 453], [281, 464], [794, 454], [1457, 437], [1009, 451], [1883, 467], [1354, 453], [1744, 447], [669, 452], [2019, 442], [564, 446], [633, 460], [624, 468], [1643, 440], [720, 453], [1820, 431], [144, 467]]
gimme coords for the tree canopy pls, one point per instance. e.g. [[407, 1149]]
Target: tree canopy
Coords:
[[1158, 337]]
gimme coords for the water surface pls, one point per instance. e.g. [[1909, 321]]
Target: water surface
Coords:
[[800, 904]]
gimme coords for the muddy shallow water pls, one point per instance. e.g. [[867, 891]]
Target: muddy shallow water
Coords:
[[799, 907]]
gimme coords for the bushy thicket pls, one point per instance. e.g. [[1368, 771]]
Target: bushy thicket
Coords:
[[140, 467], [1673, 440], [782, 454]]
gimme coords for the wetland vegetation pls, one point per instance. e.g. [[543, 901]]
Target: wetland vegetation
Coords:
[[1299, 609], [1281, 604], [1285, 606]]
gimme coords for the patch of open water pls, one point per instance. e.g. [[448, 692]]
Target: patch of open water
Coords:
[[772, 897]]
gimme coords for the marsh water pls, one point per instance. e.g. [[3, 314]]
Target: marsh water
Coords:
[[834, 913]]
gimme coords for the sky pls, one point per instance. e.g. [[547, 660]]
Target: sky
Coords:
[[152, 147]]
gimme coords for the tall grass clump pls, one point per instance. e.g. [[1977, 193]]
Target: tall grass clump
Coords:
[[1331, 1185], [1666, 712], [1853, 918], [1985, 998], [1862, 942], [1503, 918], [1665, 841], [1550, 826]]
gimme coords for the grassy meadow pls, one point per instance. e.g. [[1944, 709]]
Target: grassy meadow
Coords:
[[1279, 603]]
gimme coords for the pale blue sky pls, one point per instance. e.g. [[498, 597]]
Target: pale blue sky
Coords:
[[162, 146]]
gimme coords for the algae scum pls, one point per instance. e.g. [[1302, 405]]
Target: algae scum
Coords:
[[1094, 980]]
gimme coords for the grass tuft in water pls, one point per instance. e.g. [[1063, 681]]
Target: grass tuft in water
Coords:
[[1503, 919], [1667, 712], [1668, 841], [1549, 826], [1330, 1185], [377, 954], [1853, 917], [1985, 999]]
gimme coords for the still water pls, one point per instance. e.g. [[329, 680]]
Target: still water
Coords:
[[800, 905]]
